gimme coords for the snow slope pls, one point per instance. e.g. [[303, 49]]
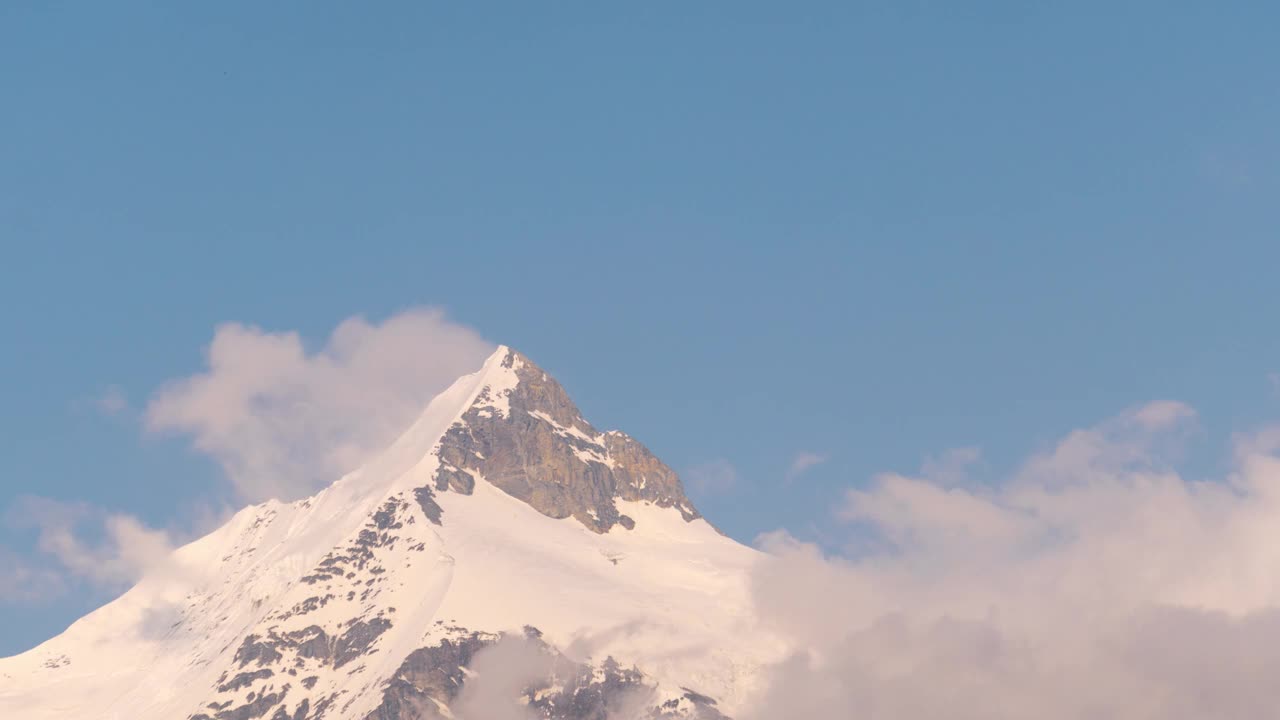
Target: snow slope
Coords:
[[309, 609]]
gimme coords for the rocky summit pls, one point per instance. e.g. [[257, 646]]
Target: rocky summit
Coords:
[[503, 558], [532, 443]]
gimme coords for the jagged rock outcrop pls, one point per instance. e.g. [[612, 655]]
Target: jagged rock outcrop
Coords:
[[429, 683], [531, 441]]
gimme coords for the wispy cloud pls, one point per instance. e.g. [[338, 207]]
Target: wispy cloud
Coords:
[[107, 550], [24, 582], [113, 400], [709, 478], [284, 422], [802, 463]]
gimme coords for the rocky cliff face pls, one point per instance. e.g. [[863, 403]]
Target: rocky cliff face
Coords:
[[531, 441]]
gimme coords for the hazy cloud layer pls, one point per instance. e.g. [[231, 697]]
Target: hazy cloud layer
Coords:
[[285, 422], [1095, 582]]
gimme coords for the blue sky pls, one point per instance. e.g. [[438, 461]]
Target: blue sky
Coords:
[[741, 232]]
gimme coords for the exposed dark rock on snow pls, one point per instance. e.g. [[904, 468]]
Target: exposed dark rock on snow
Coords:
[[532, 442], [427, 501], [432, 679]]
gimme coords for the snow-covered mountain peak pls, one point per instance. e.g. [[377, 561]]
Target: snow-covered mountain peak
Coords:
[[499, 513]]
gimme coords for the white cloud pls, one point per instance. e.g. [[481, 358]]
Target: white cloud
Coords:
[[1094, 582], [709, 478], [284, 422], [499, 675], [802, 463], [107, 550]]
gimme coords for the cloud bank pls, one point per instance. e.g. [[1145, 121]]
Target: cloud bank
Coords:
[[284, 422], [1096, 582]]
